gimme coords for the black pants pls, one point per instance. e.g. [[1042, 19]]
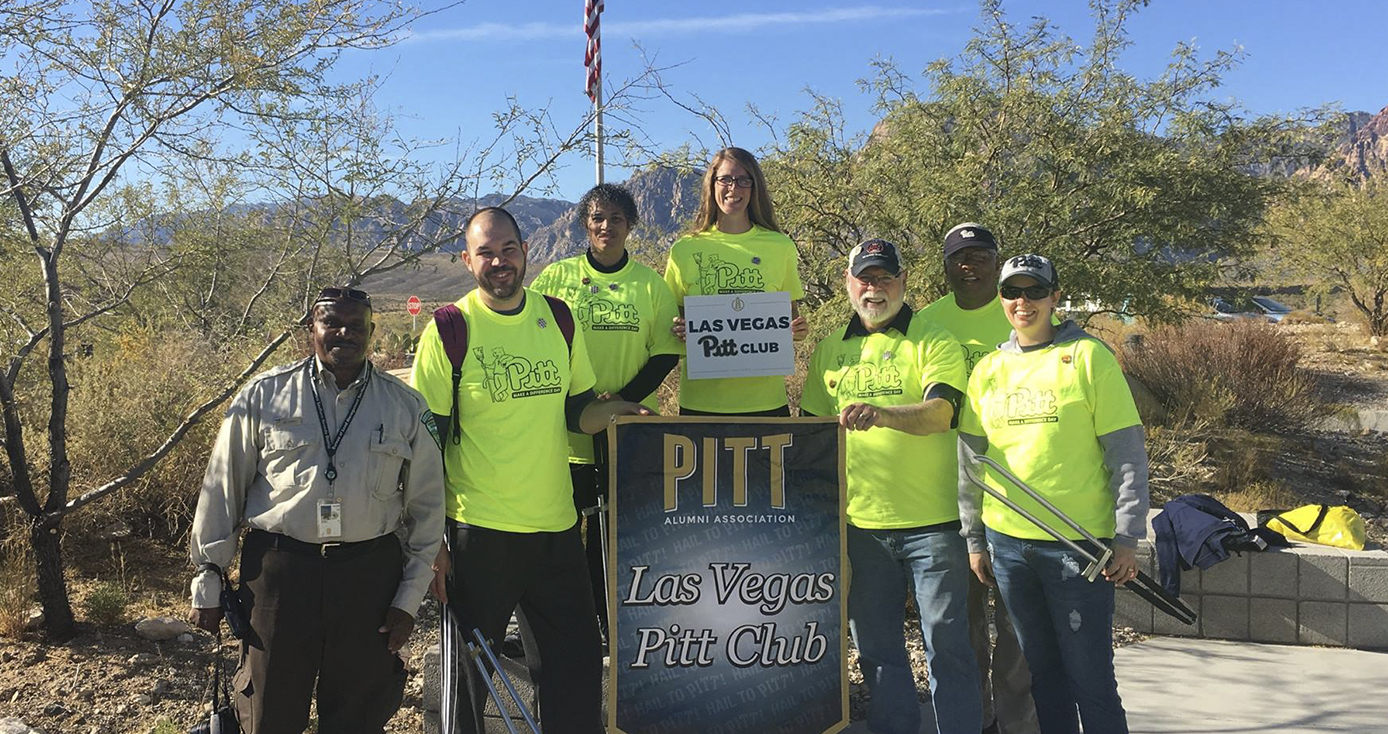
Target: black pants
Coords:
[[547, 576], [316, 619]]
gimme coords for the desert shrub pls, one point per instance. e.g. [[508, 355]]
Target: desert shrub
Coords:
[[1243, 374], [126, 399], [165, 726], [392, 346], [105, 604]]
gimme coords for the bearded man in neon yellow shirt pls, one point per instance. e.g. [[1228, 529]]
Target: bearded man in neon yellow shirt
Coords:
[[895, 381], [512, 534]]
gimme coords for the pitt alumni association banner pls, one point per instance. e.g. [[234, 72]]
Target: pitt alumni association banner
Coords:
[[726, 587]]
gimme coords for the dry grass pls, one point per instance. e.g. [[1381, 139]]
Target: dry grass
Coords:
[[1237, 375], [16, 580], [1302, 316]]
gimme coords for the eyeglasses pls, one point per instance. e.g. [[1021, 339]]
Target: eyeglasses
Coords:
[[742, 182], [343, 294], [877, 281], [973, 257], [1032, 292]]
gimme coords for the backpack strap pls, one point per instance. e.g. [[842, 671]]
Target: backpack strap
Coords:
[[564, 318], [453, 333]]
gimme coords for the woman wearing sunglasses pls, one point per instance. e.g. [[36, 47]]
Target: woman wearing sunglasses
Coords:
[[735, 247], [1052, 405]]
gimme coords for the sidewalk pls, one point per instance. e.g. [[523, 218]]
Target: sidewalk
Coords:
[[1179, 685], [1195, 686]]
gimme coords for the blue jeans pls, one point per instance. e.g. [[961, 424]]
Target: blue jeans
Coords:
[[1065, 625], [935, 562]]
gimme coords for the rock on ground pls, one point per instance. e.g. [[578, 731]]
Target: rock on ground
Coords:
[[11, 725], [161, 629]]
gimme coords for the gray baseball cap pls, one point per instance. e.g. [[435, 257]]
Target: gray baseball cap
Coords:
[[1036, 266]]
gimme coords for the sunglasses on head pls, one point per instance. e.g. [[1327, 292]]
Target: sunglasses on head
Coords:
[[343, 294], [1032, 292]]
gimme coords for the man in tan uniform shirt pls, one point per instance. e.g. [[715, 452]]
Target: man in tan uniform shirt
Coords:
[[334, 468]]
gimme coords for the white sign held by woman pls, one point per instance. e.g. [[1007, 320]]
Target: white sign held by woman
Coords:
[[738, 335]]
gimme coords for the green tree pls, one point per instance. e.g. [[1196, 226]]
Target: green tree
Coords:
[[1140, 190], [1335, 235], [90, 91], [123, 199]]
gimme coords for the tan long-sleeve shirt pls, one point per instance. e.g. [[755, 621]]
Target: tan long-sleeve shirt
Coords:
[[268, 466]]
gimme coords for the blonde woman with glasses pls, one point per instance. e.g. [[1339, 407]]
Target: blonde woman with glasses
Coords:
[[735, 247]]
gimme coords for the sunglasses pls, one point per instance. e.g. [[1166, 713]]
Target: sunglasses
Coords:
[[1032, 292], [343, 294]]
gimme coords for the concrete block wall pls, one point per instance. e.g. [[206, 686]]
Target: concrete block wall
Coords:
[[1306, 595]]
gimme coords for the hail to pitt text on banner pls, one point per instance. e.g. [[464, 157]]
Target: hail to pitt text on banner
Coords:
[[738, 335], [726, 576]]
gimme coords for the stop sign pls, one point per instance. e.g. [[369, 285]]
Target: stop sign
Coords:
[[414, 305]]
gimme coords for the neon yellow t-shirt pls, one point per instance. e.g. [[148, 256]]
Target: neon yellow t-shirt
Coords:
[[509, 471], [713, 263], [895, 479], [625, 317], [979, 330], [1042, 413]]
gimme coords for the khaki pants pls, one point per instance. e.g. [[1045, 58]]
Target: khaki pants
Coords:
[[1004, 677], [315, 620]]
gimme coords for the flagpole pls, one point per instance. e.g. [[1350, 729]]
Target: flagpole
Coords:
[[597, 124]]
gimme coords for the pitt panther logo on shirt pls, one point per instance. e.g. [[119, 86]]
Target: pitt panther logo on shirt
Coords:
[[508, 376], [971, 357], [718, 276], [1021, 407], [597, 314], [867, 380]]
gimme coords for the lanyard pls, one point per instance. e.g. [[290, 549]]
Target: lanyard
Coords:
[[333, 443]]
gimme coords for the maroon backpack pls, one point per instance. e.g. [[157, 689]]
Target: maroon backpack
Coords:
[[452, 328]]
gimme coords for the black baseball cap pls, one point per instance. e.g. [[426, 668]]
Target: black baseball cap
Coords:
[[878, 252], [968, 235]]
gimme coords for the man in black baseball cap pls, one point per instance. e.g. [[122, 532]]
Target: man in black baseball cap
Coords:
[[874, 252], [973, 314], [896, 382], [966, 235]]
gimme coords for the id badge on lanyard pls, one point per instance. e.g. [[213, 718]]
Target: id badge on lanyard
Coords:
[[330, 510], [329, 519]]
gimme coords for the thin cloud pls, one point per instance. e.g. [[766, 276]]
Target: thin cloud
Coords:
[[740, 23]]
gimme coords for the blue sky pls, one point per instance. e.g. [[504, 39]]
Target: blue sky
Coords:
[[463, 63]]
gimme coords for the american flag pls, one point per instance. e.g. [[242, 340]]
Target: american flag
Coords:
[[592, 56]]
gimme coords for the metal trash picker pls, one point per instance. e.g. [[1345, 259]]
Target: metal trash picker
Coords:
[[1098, 554], [599, 512], [454, 651]]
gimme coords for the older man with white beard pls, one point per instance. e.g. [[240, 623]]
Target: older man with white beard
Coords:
[[895, 382]]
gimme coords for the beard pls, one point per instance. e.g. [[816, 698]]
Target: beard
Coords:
[[876, 314], [502, 291]]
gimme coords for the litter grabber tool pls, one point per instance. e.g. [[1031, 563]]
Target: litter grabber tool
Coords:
[[481, 649], [1098, 554], [599, 511]]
